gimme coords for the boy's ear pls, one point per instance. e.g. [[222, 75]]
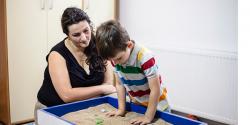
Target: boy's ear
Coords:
[[130, 44]]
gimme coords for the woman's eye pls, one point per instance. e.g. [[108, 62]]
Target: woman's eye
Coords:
[[86, 31], [76, 35]]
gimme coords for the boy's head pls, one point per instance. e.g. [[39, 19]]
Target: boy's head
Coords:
[[113, 42]]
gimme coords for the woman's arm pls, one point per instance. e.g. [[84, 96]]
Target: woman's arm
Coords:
[[109, 79], [61, 82], [109, 74]]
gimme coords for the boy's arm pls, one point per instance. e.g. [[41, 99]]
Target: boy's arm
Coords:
[[120, 89], [121, 95], [154, 85]]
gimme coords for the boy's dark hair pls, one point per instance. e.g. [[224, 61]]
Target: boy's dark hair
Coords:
[[111, 38], [73, 15]]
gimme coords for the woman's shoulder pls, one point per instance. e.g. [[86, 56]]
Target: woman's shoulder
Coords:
[[59, 46], [60, 49]]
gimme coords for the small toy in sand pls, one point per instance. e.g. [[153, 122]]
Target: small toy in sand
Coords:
[[99, 121], [103, 110]]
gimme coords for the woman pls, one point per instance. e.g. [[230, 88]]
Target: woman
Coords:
[[75, 71]]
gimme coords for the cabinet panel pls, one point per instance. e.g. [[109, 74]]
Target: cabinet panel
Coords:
[[31, 24], [100, 10], [26, 36], [4, 86], [55, 11], [33, 27]]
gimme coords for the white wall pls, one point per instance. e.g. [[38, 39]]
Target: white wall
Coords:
[[196, 45], [206, 24]]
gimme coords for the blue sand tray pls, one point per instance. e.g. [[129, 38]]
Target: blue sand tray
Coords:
[[55, 112]]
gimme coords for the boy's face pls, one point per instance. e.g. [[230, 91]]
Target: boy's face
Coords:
[[122, 56]]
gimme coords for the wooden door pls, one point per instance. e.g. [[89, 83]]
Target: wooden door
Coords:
[[4, 89]]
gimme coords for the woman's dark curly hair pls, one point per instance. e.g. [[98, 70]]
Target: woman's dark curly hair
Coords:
[[73, 15]]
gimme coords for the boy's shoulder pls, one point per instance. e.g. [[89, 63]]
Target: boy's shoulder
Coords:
[[139, 55], [143, 52], [141, 47]]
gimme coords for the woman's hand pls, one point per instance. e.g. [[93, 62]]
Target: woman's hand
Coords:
[[108, 89]]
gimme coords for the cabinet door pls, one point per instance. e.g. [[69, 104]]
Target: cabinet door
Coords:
[[4, 86], [26, 37], [100, 10], [55, 11], [33, 26]]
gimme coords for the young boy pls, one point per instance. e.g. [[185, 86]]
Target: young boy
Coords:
[[137, 70]]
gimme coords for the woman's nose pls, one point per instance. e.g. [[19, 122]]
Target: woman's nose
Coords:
[[83, 37]]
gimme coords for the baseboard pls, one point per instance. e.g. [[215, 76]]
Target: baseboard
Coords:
[[23, 121], [208, 121]]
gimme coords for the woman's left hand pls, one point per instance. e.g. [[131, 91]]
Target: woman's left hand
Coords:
[[108, 89]]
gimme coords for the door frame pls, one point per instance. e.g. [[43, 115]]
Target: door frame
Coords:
[[4, 77]]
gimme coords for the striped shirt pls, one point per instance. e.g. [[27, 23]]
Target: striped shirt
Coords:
[[134, 76]]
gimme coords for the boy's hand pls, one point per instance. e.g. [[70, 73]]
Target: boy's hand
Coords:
[[142, 120], [115, 113]]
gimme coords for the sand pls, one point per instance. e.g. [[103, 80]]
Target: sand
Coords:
[[96, 116]]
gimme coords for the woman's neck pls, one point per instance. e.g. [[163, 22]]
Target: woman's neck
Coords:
[[78, 53], [73, 47]]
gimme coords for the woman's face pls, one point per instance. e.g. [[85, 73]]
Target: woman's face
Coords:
[[80, 34]]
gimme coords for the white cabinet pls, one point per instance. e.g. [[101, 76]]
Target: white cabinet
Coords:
[[101, 10], [33, 27], [55, 11], [98, 11]]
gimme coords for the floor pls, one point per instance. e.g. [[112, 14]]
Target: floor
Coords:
[[208, 121], [29, 123]]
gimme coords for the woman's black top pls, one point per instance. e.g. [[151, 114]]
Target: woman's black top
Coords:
[[47, 94]]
